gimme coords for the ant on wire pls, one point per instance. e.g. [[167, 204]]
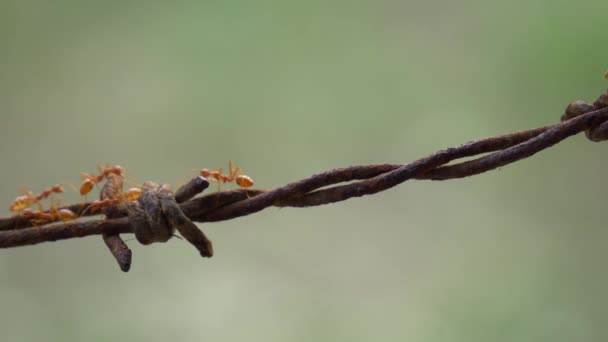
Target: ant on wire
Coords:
[[21, 203], [54, 214], [234, 176], [130, 195], [89, 181]]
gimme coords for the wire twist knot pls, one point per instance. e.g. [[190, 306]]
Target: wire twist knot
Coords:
[[576, 108], [156, 215]]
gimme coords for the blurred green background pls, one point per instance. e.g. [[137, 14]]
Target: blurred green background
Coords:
[[288, 89]]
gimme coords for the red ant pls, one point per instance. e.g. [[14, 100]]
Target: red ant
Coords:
[[130, 195], [89, 181], [54, 214], [22, 202], [241, 180]]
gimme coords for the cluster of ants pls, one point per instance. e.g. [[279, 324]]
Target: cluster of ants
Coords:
[[22, 205]]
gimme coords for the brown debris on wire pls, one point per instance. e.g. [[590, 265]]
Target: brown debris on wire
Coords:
[[156, 215]]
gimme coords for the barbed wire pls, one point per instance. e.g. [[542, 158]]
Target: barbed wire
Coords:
[[156, 215]]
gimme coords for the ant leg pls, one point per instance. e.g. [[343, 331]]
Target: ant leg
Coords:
[[236, 173], [219, 178], [232, 170]]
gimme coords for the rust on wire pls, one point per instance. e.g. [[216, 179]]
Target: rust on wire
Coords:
[[158, 212], [111, 190], [178, 220]]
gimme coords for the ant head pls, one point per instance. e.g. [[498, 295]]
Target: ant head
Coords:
[[57, 189], [205, 173], [117, 169]]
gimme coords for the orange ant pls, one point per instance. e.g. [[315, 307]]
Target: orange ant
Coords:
[[54, 214], [22, 202], [89, 181], [130, 195], [241, 180]]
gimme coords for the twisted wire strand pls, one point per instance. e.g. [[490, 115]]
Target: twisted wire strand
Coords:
[[321, 188]]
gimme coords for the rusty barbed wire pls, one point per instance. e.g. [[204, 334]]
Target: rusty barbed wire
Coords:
[[156, 215]]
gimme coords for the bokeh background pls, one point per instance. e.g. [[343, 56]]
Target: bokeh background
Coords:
[[288, 89]]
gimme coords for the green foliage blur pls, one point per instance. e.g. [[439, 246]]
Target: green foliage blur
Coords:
[[288, 89]]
